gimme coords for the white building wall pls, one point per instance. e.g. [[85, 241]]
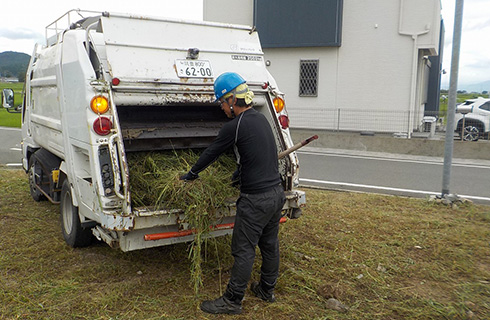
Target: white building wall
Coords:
[[370, 82], [374, 61], [229, 11], [307, 112]]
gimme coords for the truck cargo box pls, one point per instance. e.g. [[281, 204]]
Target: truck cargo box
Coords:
[[110, 84]]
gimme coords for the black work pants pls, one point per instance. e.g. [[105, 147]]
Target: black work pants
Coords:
[[256, 223]]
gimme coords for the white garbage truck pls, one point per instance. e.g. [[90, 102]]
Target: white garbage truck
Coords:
[[108, 84]]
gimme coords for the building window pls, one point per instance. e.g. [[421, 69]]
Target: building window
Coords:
[[308, 78]]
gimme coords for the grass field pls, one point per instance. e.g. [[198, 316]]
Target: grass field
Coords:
[[384, 257], [7, 119]]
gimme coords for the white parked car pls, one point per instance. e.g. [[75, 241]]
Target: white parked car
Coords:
[[473, 119]]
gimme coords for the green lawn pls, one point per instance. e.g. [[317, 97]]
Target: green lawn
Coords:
[[384, 257]]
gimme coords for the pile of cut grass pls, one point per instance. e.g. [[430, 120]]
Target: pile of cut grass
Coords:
[[155, 183], [155, 180]]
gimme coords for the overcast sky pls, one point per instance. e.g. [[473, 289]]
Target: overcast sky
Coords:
[[24, 25], [474, 61]]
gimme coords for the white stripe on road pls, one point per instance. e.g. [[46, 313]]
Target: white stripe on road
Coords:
[[14, 164], [394, 159], [405, 191], [11, 129], [15, 149]]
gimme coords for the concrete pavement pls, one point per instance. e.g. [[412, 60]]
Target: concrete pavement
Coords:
[[10, 150]]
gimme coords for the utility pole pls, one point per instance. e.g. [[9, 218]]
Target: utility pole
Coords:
[[451, 106]]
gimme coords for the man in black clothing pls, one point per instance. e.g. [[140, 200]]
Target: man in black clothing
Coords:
[[261, 193]]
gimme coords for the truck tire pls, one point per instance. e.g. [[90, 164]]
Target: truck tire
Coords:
[[35, 170], [71, 227]]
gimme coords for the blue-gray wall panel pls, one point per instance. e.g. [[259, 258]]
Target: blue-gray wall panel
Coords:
[[434, 90], [298, 23]]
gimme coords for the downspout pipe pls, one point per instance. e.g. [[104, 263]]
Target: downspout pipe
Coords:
[[415, 58]]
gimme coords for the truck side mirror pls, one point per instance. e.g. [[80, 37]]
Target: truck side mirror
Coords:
[[8, 98]]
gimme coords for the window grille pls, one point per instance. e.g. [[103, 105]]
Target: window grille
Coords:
[[308, 78]]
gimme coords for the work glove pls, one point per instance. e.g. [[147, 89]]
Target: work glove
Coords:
[[189, 176]]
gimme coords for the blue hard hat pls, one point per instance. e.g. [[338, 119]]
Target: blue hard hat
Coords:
[[226, 82]]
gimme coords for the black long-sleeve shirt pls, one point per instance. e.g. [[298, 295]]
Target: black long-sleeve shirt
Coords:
[[255, 148]]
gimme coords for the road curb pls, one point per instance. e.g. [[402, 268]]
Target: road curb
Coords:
[[385, 143]]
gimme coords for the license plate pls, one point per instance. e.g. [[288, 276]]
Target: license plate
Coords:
[[194, 68]]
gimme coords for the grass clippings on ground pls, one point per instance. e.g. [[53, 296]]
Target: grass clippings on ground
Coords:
[[384, 257]]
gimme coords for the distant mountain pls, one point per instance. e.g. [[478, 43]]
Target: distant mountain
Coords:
[[478, 87], [13, 64]]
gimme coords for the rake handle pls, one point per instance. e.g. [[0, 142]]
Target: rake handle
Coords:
[[296, 146]]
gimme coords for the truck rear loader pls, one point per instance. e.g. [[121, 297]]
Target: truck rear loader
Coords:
[[109, 84]]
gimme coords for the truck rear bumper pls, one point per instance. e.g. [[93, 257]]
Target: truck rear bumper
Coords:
[[155, 237], [152, 228]]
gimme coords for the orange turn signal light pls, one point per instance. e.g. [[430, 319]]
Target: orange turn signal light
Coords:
[[278, 104], [99, 104]]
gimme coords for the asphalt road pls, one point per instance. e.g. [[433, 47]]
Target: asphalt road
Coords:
[[416, 176], [10, 151]]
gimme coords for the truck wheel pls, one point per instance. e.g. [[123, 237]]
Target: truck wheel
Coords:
[[35, 171], [74, 234]]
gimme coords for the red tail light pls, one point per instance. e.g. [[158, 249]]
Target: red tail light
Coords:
[[284, 121], [115, 81], [102, 126]]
